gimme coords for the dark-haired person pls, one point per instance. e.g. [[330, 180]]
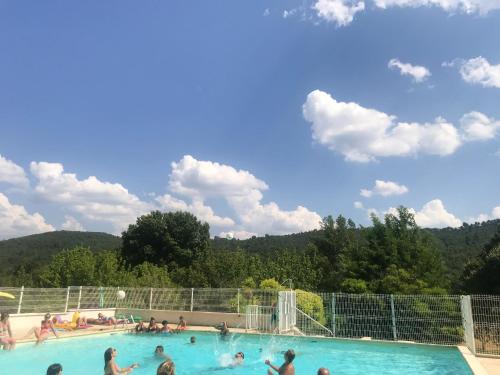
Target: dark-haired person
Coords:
[[153, 326], [286, 368], [238, 359], [182, 325], [223, 329], [140, 328], [323, 371], [6, 338], [110, 366], [55, 369], [166, 368], [160, 352], [46, 326], [164, 327], [192, 340]]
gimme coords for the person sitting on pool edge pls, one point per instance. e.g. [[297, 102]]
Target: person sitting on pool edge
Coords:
[[6, 338], [55, 369], [286, 368], [323, 371], [166, 368], [139, 328], [182, 325]]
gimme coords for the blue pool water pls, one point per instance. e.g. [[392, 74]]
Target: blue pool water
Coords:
[[210, 355]]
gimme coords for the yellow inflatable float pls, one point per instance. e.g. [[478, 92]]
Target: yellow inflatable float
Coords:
[[7, 295]]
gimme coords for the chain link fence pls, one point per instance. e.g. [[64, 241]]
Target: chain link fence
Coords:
[[432, 319]]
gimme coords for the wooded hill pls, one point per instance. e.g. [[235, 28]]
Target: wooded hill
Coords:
[[457, 246]]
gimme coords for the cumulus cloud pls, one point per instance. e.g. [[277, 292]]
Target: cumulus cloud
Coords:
[[479, 71], [340, 12], [241, 234], [434, 215], [72, 224], [12, 173], [243, 192], [92, 198], [476, 126], [385, 189], [495, 214], [418, 73], [197, 208], [363, 134], [15, 221], [464, 6]]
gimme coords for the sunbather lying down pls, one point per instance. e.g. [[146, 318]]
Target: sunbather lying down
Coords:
[[102, 319], [77, 321]]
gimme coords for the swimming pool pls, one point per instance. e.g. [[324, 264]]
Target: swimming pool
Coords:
[[84, 356]]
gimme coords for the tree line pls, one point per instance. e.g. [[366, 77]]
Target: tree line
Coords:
[[174, 249]]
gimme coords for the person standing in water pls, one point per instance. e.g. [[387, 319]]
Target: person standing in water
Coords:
[[110, 366], [286, 368]]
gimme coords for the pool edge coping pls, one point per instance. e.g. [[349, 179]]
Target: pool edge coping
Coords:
[[475, 366]]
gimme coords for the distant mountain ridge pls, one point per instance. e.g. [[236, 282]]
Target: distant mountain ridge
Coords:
[[36, 250]]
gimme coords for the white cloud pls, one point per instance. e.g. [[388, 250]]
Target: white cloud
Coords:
[[72, 224], [15, 221], [94, 199], [419, 73], [197, 208], [243, 192], [363, 134], [434, 215], [465, 6], [385, 189], [358, 205], [478, 127], [12, 173], [495, 214], [479, 71], [340, 12], [267, 12], [242, 235]]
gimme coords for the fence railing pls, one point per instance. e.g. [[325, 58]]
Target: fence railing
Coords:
[[433, 319]]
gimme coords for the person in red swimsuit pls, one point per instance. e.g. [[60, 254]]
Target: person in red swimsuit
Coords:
[[43, 332], [6, 338]]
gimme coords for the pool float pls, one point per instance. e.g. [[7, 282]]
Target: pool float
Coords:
[[7, 295]]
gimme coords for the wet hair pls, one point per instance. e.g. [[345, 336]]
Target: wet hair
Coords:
[[192, 339], [290, 355], [4, 316], [159, 348], [323, 371], [108, 355], [164, 322], [166, 368], [54, 369], [47, 316], [151, 319], [240, 354]]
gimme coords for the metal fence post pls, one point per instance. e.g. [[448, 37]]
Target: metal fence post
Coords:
[[393, 316], [468, 323], [67, 299], [20, 300], [192, 297], [150, 298], [238, 308], [334, 323], [79, 298]]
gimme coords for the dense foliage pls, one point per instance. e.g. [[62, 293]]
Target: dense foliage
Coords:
[[173, 249]]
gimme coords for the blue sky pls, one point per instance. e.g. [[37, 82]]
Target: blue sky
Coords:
[[250, 101]]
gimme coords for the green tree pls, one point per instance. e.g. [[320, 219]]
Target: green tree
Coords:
[[70, 267], [172, 239], [482, 274]]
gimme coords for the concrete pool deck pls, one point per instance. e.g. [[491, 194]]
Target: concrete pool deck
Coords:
[[478, 365]]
